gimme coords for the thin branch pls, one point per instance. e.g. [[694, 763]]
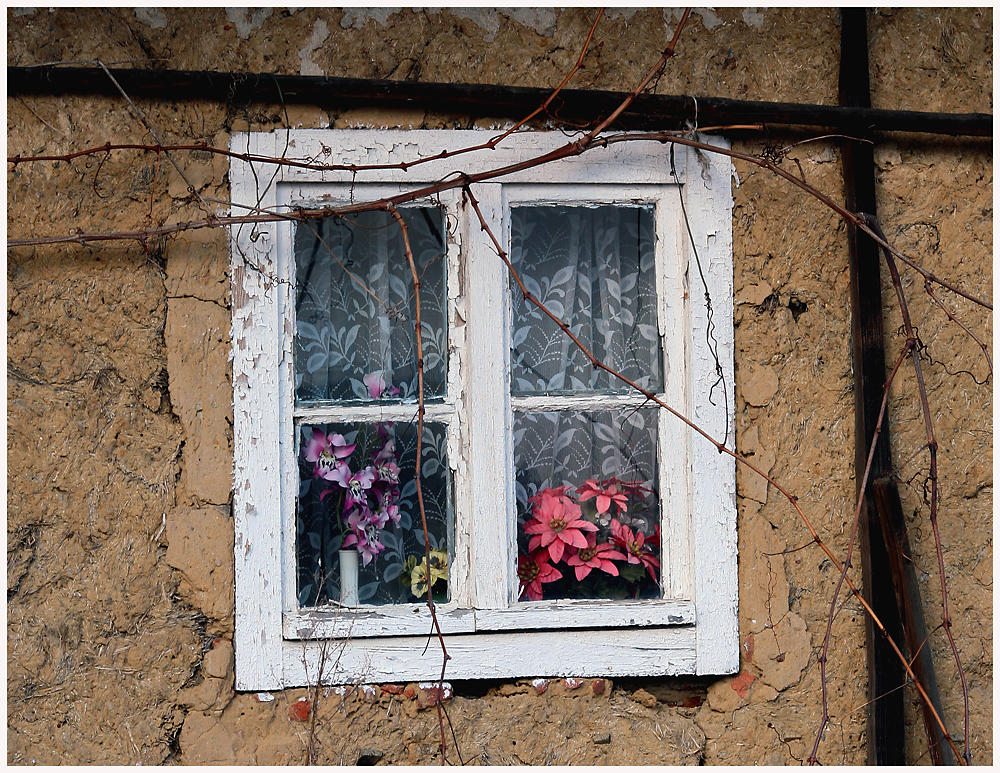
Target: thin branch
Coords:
[[951, 317], [416, 472], [719, 446], [149, 128], [932, 447], [461, 180], [250, 158], [862, 489]]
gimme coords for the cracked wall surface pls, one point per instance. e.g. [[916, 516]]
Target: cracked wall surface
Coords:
[[120, 596]]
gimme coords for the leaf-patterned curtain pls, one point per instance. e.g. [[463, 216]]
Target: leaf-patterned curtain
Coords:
[[594, 267], [354, 305]]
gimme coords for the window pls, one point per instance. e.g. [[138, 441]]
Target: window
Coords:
[[532, 460]]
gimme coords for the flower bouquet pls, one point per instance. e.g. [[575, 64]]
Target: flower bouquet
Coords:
[[355, 510], [585, 530], [415, 571], [362, 489]]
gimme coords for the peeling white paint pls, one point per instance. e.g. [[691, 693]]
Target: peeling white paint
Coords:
[[356, 18], [319, 34], [709, 20], [380, 644], [621, 13], [541, 20], [753, 18], [24, 11], [151, 17], [247, 20]]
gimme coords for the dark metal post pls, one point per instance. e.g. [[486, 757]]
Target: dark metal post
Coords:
[[888, 575]]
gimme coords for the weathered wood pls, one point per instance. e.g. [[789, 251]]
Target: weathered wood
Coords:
[[886, 730], [587, 613], [693, 629], [613, 653], [890, 511], [573, 106], [257, 451]]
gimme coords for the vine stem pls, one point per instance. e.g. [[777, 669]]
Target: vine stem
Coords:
[[461, 180], [251, 158], [416, 471], [850, 547], [932, 448], [721, 448], [929, 289]]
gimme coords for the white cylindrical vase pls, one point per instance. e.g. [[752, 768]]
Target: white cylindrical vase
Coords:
[[349, 577]]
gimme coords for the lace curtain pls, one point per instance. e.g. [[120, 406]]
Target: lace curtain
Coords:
[[355, 341], [354, 305], [594, 267]]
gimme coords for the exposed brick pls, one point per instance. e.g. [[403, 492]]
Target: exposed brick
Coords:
[[299, 711]]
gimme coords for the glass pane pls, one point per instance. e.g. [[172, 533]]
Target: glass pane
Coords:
[[357, 491], [594, 268], [354, 307], [587, 504]]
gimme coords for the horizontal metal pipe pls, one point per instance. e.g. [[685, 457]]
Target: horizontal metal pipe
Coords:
[[572, 106]]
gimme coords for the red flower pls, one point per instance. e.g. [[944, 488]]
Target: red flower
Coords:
[[556, 523], [551, 491], [634, 488], [634, 546], [532, 571], [606, 491], [595, 556]]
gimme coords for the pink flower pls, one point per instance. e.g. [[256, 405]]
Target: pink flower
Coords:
[[356, 484], [326, 451], [606, 491], [551, 491], [387, 452], [595, 556], [387, 471], [365, 541], [376, 385], [634, 546], [532, 571], [634, 488], [556, 524], [358, 519], [393, 514]]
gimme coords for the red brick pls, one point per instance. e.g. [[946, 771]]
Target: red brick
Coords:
[[741, 683], [299, 711]]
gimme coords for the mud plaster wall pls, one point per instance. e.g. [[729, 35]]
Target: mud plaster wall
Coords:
[[119, 533]]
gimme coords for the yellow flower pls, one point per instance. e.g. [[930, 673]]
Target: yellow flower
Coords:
[[418, 571]]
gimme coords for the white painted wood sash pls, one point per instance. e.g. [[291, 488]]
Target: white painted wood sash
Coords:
[[692, 628]]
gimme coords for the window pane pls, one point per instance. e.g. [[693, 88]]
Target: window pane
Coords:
[[356, 489], [354, 306], [594, 268], [587, 504]]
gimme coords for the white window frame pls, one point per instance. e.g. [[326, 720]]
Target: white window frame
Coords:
[[693, 630]]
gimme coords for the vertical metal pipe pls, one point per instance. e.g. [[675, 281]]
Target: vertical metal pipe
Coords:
[[890, 583]]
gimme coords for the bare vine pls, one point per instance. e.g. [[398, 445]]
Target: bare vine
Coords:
[[587, 140]]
